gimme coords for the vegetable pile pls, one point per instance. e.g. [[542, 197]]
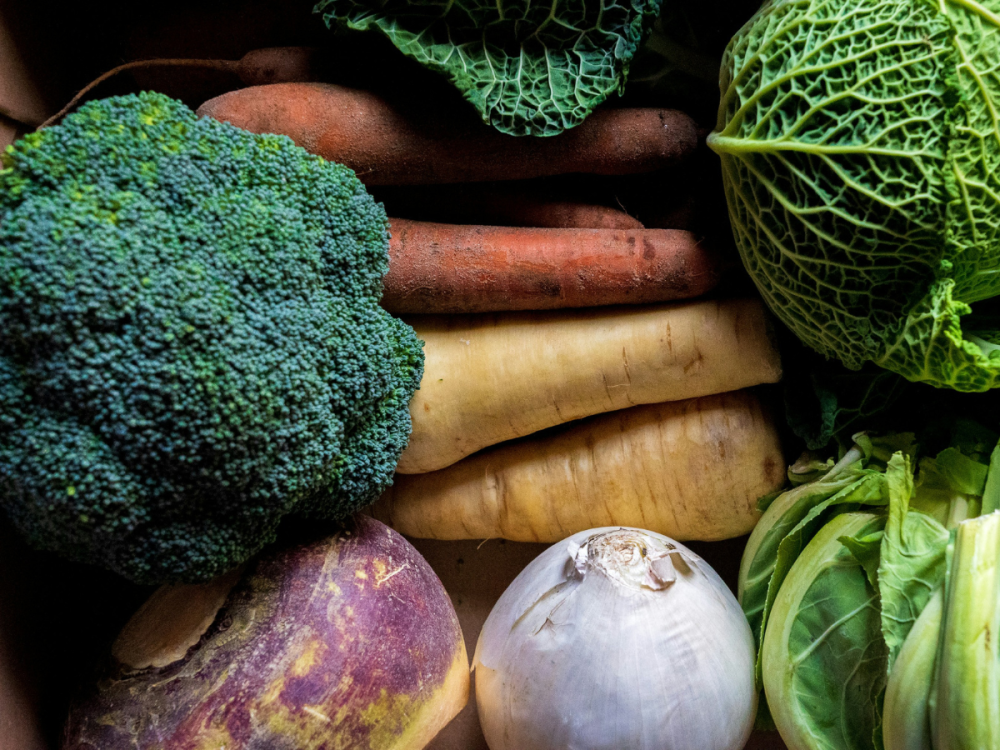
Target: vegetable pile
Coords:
[[200, 361], [872, 587], [860, 157]]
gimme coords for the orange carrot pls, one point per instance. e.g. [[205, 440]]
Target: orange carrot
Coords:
[[385, 146], [447, 268], [515, 204]]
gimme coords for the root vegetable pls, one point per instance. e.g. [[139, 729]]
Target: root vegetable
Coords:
[[386, 147], [348, 642], [690, 469], [513, 204], [447, 268], [257, 67], [616, 639], [525, 212], [490, 378]]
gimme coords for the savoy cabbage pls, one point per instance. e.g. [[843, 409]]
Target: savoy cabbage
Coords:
[[861, 157], [529, 68]]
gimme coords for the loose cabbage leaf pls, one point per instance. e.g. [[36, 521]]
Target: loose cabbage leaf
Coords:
[[906, 721], [764, 563], [991, 490], [529, 68], [823, 648], [966, 704], [793, 518], [912, 560], [866, 550], [948, 490]]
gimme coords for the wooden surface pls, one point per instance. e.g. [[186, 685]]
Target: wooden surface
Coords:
[[20, 97], [8, 131], [20, 722]]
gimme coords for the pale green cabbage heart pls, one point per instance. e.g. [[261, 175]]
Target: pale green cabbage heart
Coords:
[[840, 582], [529, 68], [861, 157]]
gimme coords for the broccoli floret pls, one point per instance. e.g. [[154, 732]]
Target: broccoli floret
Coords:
[[191, 345]]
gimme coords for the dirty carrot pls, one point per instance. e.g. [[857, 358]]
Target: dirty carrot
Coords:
[[451, 268], [386, 146]]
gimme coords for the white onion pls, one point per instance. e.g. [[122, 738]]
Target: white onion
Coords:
[[616, 639]]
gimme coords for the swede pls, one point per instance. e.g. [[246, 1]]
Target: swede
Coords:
[[495, 377], [347, 642], [691, 469]]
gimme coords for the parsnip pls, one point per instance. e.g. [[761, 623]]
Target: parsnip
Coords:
[[494, 377], [689, 469]]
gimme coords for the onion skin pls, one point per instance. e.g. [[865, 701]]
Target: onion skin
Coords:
[[616, 639], [350, 642]]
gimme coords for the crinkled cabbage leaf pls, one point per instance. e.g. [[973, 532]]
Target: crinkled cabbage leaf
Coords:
[[529, 68], [861, 158]]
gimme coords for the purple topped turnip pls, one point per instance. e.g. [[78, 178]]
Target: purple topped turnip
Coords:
[[349, 642]]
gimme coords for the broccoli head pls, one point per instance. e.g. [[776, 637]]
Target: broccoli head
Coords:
[[191, 346]]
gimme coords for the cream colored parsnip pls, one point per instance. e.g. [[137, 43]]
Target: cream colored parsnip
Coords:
[[494, 377], [689, 469]]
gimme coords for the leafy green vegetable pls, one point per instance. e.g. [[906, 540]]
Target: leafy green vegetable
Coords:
[[823, 651], [861, 159], [528, 68], [826, 401], [966, 705], [912, 559], [865, 549], [906, 710], [794, 517], [810, 581]]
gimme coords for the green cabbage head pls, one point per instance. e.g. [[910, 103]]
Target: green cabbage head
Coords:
[[860, 148]]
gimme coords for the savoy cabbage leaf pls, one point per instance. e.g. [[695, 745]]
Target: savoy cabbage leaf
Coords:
[[529, 68], [861, 158]]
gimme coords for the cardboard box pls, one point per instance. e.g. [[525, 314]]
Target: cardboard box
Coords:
[[57, 619]]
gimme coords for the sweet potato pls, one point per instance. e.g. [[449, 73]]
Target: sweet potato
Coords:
[[448, 268], [491, 378], [690, 469], [387, 147]]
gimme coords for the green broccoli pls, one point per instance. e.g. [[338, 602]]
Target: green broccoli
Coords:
[[191, 345]]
